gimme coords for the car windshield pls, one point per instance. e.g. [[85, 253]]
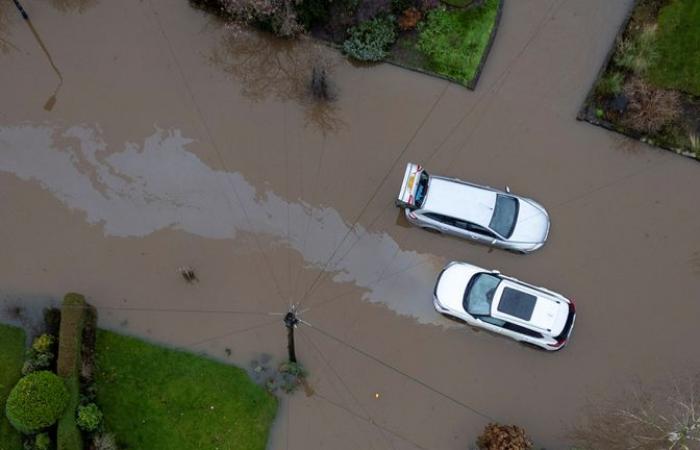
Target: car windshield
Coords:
[[422, 189], [479, 294], [505, 214]]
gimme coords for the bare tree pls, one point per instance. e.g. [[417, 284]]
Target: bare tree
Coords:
[[281, 69], [645, 419]]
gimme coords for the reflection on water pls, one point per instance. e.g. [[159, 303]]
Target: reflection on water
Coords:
[[157, 184], [269, 67]]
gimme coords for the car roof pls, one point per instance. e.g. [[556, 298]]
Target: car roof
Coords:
[[460, 200], [529, 307]]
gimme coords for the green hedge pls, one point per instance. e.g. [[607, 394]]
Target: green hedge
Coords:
[[68, 436], [12, 341], [69, 341], [36, 402]]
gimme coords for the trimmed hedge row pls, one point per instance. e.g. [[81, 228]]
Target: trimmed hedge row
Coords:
[[69, 349]]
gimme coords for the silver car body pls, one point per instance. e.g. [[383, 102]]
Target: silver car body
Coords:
[[512, 308], [480, 213]]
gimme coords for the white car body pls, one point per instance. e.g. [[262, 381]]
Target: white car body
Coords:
[[480, 213], [520, 311]]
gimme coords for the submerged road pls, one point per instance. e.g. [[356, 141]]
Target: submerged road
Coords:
[[169, 143]]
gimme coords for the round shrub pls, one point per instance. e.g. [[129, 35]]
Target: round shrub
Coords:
[[370, 40], [89, 417], [36, 402]]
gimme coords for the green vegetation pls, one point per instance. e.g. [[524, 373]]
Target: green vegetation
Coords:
[[678, 47], [455, 40], [11, 358], [36, 401], [370, 40], [153, 397], [73, 311], [68, 435], [89, 417], [610, 84], [650, 85], [458, 3]]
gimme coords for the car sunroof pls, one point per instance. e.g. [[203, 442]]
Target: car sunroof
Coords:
[[517, 303]]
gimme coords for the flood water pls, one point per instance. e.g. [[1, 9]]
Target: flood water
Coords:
[[175, 141]]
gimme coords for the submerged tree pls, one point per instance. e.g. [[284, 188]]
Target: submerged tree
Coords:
[[666, 418]]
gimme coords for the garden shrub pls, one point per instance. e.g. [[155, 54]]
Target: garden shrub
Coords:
[[40, 355], [638, 52], [104, 441], [370, 9], [36, 402], [610, 84], [503, 437], [89, 417], [649, 108], [370, 40], [42, 441]]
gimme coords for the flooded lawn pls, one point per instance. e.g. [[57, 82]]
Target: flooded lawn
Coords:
[[173, 144]]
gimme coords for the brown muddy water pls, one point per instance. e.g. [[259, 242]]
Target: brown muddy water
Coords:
[[175, 143]]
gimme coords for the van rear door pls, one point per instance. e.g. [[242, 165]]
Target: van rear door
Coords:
[[411, 177]]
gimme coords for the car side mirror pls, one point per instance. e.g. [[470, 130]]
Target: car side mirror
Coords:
[[497, 272], [494, 242], [508, 189]]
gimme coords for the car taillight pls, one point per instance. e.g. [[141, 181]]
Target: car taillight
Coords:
[[560, 342], [572, 302], [411, 215]]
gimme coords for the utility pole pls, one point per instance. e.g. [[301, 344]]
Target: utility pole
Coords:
[[25, 16], [291, 321]]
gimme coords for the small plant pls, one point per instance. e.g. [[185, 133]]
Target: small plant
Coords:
[[320, 87], [42, 441], [36, 402], [89, 417], [638, 52], [409, 19], [370, 40], [503, 437], [293, 375], [650, 109], [104, 441], [599, 113], [694, 140], [40, 355], [610, 84]]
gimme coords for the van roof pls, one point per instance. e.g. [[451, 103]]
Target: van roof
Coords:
[[460, 200]]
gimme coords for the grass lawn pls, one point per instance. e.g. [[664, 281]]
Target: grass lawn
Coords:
[[11, 360], [455, 40], [678, 47], [153, 397]]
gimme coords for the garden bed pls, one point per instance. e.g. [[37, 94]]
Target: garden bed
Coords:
[[153, 398], [449, 39], [649, 85], [11, 359]]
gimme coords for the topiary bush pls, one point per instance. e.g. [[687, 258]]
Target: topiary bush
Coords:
[[40, 356], [89, 417], [36, 402], [370, 40]]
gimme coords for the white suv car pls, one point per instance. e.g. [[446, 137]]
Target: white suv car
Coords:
[[480, 213], [487, 299]]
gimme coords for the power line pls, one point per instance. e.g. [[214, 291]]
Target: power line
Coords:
[[406, 375], [376, 191]]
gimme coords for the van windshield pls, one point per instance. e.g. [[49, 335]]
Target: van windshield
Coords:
[[422, 189]]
